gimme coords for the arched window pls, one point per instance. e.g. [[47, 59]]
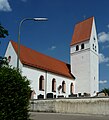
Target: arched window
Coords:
[[63, 87], [77, 47], [53, 85], [9, 58], [71, 88], [41, 83], [82, 46]]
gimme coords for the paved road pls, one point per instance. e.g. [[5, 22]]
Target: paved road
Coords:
[[59, 116]]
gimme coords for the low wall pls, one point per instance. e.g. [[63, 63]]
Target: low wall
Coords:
[[84, 106]]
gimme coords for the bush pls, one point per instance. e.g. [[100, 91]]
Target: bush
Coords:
[[14, 95]]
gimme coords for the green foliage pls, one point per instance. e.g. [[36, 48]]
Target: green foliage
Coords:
[[14, 95], [3, 32], [106, 91], [3, 61]]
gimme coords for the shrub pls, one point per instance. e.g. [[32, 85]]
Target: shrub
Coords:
[[14, 95]]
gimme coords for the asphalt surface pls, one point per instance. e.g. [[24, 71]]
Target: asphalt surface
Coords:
[[61, 116]]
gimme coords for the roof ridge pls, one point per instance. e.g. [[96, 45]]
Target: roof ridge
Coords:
[[84, 20]]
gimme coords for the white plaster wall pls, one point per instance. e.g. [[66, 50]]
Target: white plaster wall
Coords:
[[11, 52], [73, 48], [59, 79], [94, 61], [94, 73], [34, 74], [81, 69]]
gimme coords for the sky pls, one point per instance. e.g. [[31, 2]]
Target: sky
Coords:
[[53, 37]]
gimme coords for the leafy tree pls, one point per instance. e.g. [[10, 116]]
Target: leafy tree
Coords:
[[3, 61], [3, 32], [106, 91], [14, 95]]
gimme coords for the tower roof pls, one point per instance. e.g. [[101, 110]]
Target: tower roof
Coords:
[[82, 31], [38, 60]]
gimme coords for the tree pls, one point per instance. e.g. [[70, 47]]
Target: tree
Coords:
[[3, 32], [3, 61], [106, 91], [14, 95]]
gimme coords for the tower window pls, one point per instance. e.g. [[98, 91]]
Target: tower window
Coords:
[[94, 38], [95, 49], [93, 46], [82, 46], [77, 47]]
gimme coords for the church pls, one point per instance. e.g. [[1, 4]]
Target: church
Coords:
[[48, 75]]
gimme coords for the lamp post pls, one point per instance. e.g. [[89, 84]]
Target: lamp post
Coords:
[[25, 19]]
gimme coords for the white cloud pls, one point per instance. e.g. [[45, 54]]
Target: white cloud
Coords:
[[103, 81], [52, 47], [102, 58], [104, 47], [5, 6], [103, 37], [108, 25]]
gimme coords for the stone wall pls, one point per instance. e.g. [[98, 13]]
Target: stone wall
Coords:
[[79, 106]]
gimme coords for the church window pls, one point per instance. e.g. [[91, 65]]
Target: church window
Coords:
[[93, 46], [71, 88], [94, 38], [53, 85], [95, 49], [41, 83], [9, 58], [82, 46], [63, 87], [77, 47]]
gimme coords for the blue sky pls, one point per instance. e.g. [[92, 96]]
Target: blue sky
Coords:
[[54, 36]]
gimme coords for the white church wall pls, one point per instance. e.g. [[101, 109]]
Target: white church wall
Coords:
[[59, 79], [94, 61], [34, 74], [94, 73], [73, 48], [80, 68], [11, 52]]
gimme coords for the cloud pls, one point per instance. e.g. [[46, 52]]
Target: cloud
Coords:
[[103, 37], [5, 6], [104, 47], [103, 81], [52, 47], [102, 58], [108, 25], [107, 65]]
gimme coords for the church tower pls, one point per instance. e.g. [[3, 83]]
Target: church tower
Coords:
[[84, 57]]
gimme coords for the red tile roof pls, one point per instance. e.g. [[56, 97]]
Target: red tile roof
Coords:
[[82, 31], [38, 60]]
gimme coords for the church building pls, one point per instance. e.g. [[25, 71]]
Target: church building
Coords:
[[48, 75]]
